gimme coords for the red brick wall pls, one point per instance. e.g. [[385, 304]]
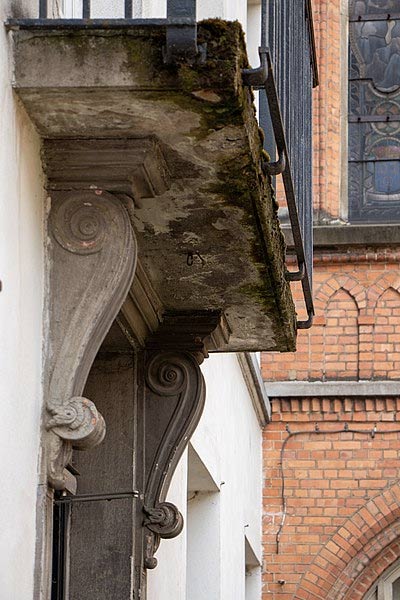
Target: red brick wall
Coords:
[[341, 493], [356, 334], [327, 108], [336, 511]]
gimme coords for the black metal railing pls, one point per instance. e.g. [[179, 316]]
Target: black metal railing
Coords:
[[175, 8], [287, 73]]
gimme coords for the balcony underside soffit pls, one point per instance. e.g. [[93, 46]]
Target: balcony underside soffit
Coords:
[[184, 143]]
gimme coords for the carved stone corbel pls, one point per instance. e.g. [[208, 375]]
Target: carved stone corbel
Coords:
[[92, 260], [172, 403]]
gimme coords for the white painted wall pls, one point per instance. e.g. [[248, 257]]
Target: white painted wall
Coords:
[[203, 534], [238, 438], [168, 580], [21, 306]]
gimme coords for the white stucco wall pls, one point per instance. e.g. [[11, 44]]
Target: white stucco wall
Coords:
[[169, 577], [21, 273], [237, 435]]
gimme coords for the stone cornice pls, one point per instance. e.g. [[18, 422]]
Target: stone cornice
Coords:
[[296, 389]]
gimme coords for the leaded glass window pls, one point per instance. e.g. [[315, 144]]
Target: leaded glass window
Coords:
[[374, 111]]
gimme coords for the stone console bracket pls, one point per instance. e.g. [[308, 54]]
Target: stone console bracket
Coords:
[[170, 403], [92, 260]]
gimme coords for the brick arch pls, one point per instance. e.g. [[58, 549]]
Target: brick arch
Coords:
[[327, 289], [340, 358], [377, 567], [385, 312], [379, 287], [353, 548]]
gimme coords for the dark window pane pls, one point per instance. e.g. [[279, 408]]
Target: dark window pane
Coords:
[[396, 589], [374, 111]]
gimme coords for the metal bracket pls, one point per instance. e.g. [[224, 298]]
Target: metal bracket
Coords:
[[296, 275], [96, 497], [256, 78], [275, 168], [181, 43], [306, 324]]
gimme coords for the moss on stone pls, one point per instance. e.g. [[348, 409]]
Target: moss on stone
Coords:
[[241, 182]]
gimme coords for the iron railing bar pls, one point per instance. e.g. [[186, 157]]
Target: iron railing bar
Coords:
[[86, 9], [374, 119], [128, 9], [46, 24], [374, 160], [96, 497], [264, 20], [277, 167], [42, 9], [313, 45], [182, 43], [279, 133], [380, 17], [181, 8], [263, 78], [280, 138]]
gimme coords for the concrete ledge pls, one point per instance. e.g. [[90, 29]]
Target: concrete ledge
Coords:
[[351, 235], [296, 389]]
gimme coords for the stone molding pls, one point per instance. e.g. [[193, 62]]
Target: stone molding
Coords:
[[298, 389]]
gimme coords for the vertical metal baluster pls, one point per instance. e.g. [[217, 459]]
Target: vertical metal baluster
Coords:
[[42, 9], [264, 26], [181, 40], [86, 9], [128, 9], [181, 8]]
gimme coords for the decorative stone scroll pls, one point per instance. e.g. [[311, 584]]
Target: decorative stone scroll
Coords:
[[92, 256], [174, 401], [170, 402]]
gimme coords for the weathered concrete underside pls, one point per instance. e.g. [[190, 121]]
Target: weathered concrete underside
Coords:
[[183, 142]]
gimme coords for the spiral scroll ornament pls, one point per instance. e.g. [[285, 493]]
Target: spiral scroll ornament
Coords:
[[167, 374], [164, 519], [77, 421], [80, 223]]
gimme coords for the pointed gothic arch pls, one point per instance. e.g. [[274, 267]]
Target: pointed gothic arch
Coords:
[[328, 288], [340, 569]]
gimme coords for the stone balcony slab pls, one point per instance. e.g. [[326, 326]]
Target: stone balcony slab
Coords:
[[182, 141]]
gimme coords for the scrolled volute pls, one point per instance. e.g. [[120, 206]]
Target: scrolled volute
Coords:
[[77, 421], [92, 259], [166, 374], [164, 519], [81, 224]]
